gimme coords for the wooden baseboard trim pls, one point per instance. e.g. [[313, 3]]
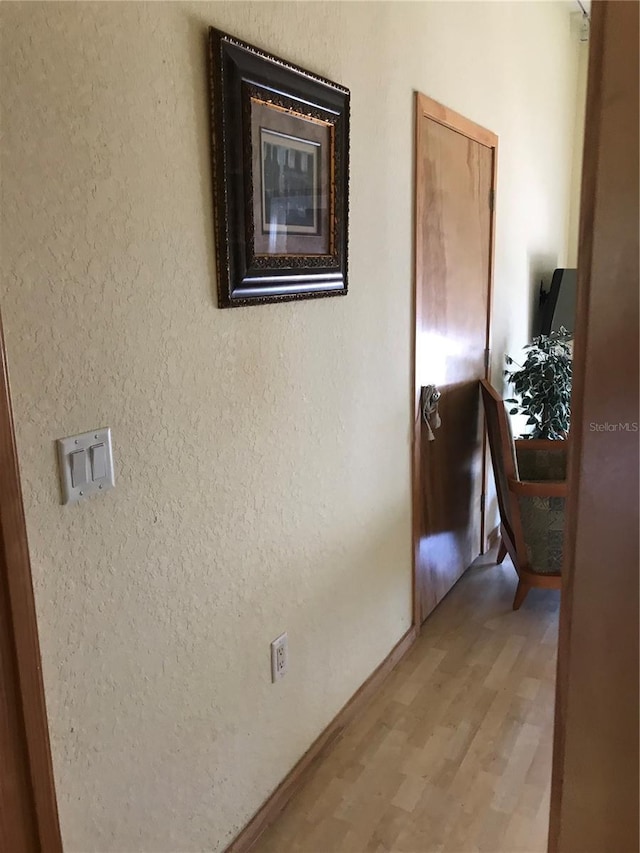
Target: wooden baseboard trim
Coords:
[[493, 538], [270, 809]]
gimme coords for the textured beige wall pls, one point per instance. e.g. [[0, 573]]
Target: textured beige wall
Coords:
[[262, 455]]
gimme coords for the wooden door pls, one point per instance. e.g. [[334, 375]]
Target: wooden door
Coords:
[[595, 793], [455, 177]]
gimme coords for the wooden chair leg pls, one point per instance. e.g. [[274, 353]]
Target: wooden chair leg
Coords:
[[521, 594], [502, 551]]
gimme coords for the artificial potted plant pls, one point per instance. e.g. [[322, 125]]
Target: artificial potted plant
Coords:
[[543, 385]]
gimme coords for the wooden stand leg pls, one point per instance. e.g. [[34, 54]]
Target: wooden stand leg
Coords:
[[502, 551], [521, 594]]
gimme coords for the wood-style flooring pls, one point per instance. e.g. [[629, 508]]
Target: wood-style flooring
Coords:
[[454, 754]]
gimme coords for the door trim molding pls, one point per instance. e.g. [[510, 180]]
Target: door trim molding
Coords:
[[16, 568], [594, 781], [426, 107]]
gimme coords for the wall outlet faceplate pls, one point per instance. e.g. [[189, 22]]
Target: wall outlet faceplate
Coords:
[[279, 657]]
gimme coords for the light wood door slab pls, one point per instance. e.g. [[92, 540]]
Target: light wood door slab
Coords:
[[454, 224]]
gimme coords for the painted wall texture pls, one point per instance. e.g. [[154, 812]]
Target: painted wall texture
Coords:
[[262, 454]]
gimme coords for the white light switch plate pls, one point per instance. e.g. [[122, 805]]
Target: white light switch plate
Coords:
[[86, 464]]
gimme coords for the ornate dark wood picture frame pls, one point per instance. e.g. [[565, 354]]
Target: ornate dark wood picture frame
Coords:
[[280, 142]]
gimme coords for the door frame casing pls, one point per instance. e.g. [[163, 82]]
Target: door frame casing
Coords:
[[594, 784], [426, 107], [16, 567]]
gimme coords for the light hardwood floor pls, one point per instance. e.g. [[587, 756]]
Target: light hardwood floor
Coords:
[[454, 754]]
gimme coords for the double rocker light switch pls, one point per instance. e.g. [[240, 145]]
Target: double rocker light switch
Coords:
[[98, 461], [78, 461], [86, 464]]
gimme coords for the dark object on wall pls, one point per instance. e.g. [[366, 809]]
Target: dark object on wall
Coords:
[[558, 305], [280, 140]]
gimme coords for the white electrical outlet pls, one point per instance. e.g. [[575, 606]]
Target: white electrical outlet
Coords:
[[279, 657]]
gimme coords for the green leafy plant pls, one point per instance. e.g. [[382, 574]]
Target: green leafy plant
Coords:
[[543, 385]]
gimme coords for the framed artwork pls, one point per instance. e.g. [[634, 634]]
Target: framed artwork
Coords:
[[281, 177]]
